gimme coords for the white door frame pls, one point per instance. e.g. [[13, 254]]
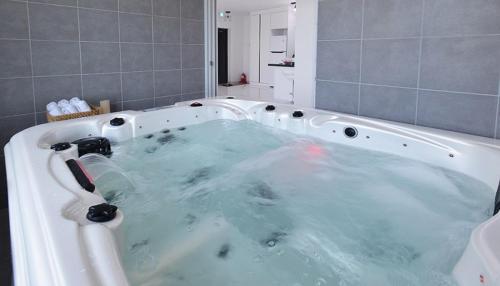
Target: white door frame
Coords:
[[306, 28], [210, 48]]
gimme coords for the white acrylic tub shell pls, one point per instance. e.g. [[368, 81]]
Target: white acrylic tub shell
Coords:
[[54, 244]]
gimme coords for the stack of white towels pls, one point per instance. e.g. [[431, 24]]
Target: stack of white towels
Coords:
[[64, 106]]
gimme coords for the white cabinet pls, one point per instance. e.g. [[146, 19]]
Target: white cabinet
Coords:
[[276, 58], [284, 82], [266, 72], [268, 43], [278, 44], [254, 65], [279, 20]]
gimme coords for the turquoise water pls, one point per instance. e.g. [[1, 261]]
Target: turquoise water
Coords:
[[237, 203]]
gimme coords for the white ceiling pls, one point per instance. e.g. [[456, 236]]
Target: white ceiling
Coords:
[[249, 5]]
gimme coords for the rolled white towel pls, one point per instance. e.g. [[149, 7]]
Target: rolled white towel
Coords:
[[81, 105], [55, 111], [74, 101], [51, 105], [62, 103], [68, 109]]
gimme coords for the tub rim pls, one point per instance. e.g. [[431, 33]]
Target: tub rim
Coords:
[[16, 188]]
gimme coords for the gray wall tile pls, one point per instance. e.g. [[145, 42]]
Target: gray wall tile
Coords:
[[390, 103], [57, 2], [14, 124], [168, 83], [115, 107], [136, 28], [138, 104], [49, 89], [461, 64], [13, 20], [340, 97], [167, 57], [100, 57], [498, 125], [3, 189], [469, 113], [49, 22], [192, 9], [166, 30], [193, 56], [461, 17], [98, 25], [14, 58], [391, 62], [338, 60], [55, 58], [169, 8], [392, 18], [167, 100], [339, 19], [192, 32], [57, 26], [193, 80], [455, 50], [16, 96], [98, 87], [137, 57], [192, 96], [41, 118], [136, 6], [99, 4], [138, 85]]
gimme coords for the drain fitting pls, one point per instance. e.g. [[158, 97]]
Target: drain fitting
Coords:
[[350, 132]]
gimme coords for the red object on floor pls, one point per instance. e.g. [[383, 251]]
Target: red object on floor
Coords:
[[243, 79]]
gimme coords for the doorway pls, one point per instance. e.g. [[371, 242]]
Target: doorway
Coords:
[[240, 65], [222, 56]]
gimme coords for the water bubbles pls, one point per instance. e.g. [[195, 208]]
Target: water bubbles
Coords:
[[217, 222], [320, 281], [257, 258], [316, 219]]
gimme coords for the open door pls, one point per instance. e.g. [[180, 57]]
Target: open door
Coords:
[[222, 42]]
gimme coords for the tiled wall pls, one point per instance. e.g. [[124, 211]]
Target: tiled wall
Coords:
[[137, 53], [433, 63]]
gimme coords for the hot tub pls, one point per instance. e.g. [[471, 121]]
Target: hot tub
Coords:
[[55, 243]]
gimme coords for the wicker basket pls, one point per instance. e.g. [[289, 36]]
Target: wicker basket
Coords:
[[95, 110]]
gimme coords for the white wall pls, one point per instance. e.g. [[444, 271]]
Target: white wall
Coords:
[[266, 72], [246, 45], [269, 19], [291, 32], [254, 49], [305, 52], [238, 44]]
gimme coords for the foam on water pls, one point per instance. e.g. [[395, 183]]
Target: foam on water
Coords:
[[236, 203]]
